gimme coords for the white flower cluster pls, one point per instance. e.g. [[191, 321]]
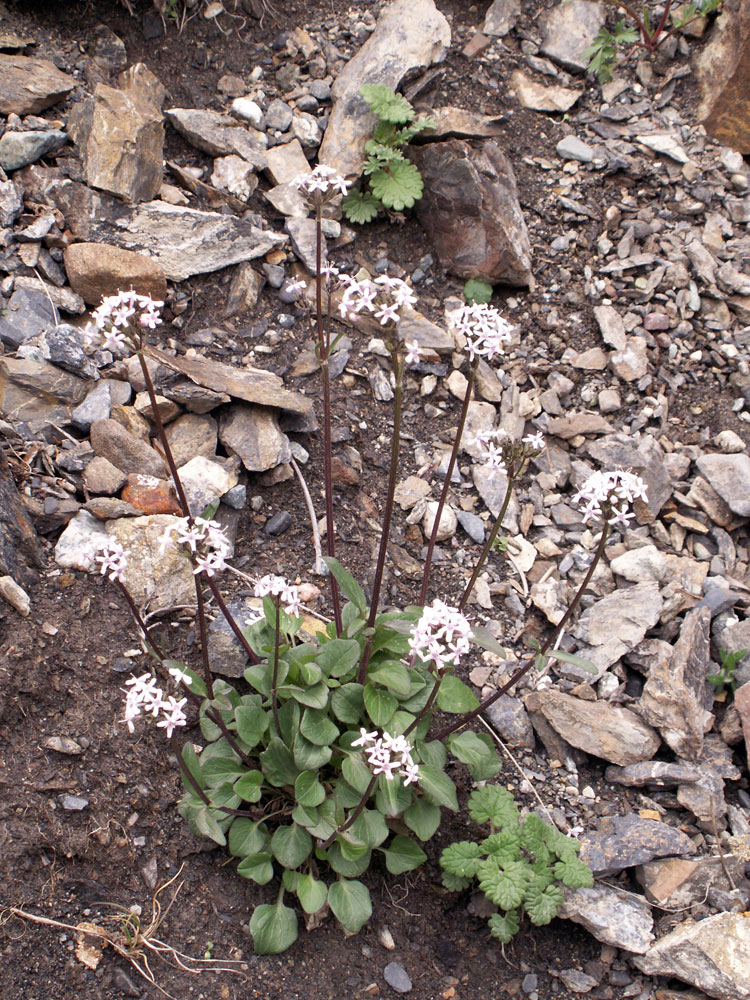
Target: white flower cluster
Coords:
[[113, 560], [145, 697], [610, 495], [492, 447], [442, 635], [485, 330], [388, 755], [119, 314], [208, 545], [384, 297], [322, 179], [276, 586]]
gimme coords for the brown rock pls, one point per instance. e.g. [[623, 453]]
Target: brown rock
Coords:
[[96, 269], [471, 212], [100, 476], [133, 422], [742, 704], [20, 551], [150, 495], [343, 474], [124, 450], [723, 71], [121, 143], [191, 435], [140, 84], [679, 882], [625, 841], [30, 85], [252, 433]]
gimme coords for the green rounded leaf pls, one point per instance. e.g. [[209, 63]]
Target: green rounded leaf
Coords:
[[278, 764], [542, 904], [403, 855], [308, 791], [437, 787], [348, 867], [477, 291], [250, 786], [311, 893], [399, 186], [504, 926], [350, 904], [455, 696], [380, 705], [422, 818], [274, 928], [247, 837], [393, 675], [257, 867], [252, 724], [291, 845], [477, 753], [318, 728], [347, 702], [356, 773]]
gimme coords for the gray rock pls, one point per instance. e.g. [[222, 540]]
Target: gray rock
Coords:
[[305, 128], [509, 717], [124, 450], [219, 135], [320, 90], [410, 34], [101, 477], [626, 841], [248, 111], [614, 625], [616, 918], [470, 210], [675, 697], [286, 162], [252, 433], [74, 803], [572, 148], [397, 977], [11, 203], [29, 85], [236, 498], [96, 406], [501, 17], [472, 524], [65, 351], [234, 175], [730, 477], [27, 314], [191, 435], [491, 485], [226, 654], [121, 142], [642, 565], [18, 149], [448, 521], [568, 29], [185, 241], [577, 981], [286, 198], [652, 772], [278, 116], [676, 883], [204, 482], [713, 954], [246, 286], [278, 523], [609, 731], [303, 236], [159, 579], [540, 97]]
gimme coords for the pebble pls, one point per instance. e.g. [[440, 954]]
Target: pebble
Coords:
[[397, 977], [278, 523], [74, 803], [571, 148]]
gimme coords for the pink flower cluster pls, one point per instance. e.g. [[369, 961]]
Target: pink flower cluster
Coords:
[[276, 586], [119, 317], [483, 328], [113, 560], [610, 495], [208, 545], [442, 635], [388, 755], [384, 297], [322, 179], [145, 697]]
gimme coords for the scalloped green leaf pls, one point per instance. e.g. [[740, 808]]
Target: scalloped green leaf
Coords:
[[504, 926], [386, 104], [505, 886], [542, 904], [493, 804], [462, 858], [398, 187]]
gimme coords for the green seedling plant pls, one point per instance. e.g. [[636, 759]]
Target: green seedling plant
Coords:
[[724, 678], [646, 32], [519, 866], [322, 757], [476, 290], [394, 182]]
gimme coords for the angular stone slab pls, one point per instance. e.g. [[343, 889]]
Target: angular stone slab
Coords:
[[219, 135], [568, 29], [250, 384], [626, 841], [410, 34], [713, 954], [730, 477], [470, 210], [29, 85], [613, 626], [613, 917], [616, 734], [185, 241], [96, 270]]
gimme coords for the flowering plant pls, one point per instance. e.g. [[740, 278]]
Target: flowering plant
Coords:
[[321, 756]]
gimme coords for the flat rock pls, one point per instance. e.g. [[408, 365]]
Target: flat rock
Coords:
[[568, 29], [611, 326], [121, 142], [722, 73], [677, 883], [626, 841], [286, 162], [185, 241], [543, 97], [18, 149], [235, 175], [491, 485], [471, 212], [191, 435], [608, 731], [124, 450], [742, 704], [250, 384], [96, 270], [30, 85], [510, 720], [658, 773], [63, 299], [674, 697], [617, 918], [641, 565], [11, 202], [579, 423], [225, 652], [730, 477], [219, 134], [101, 477], [664, 143], [26, 315], [46, 381], [456, 123], [410, 491], [252, 433], [614, 625], [410, 35], [205, 481], [712, 954], [501, 17], [149, 495], [157, 579]]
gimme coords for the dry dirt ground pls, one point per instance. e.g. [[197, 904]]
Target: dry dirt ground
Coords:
[[59, 668]]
